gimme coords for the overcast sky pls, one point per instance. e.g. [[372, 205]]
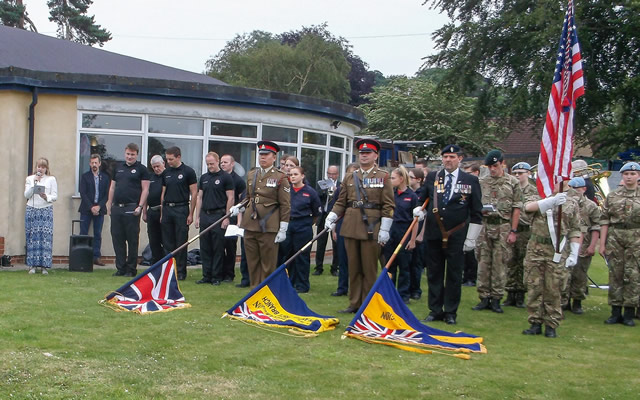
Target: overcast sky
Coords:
[[391, 36]]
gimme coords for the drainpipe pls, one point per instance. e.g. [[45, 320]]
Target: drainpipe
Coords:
[[32, 120]]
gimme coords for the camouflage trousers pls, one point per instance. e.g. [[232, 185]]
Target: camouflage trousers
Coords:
[[515, 270], [543, 278], [575, 281], [623, 254], [494, 254]]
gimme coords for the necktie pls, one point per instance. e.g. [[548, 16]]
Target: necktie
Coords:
[[447, 189]]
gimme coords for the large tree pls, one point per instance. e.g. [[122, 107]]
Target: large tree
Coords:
[[74, 24], [14, 13], [513, 44]]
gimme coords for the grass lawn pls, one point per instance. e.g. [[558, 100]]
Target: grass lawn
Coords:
[[57, 342]]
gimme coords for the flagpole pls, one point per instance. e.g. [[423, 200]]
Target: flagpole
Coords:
[[559, 219], [406, 235], [306, 246]]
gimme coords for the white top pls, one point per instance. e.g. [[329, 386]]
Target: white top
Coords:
[[454, 180], [51, 191]]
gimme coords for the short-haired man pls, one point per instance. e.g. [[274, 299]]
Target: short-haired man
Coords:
[[179, 184], [127, 198], [327, 199], [153, 210], [227, 163], [94, 192]]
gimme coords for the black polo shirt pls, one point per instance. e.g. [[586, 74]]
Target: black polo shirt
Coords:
[[177, 182], [128, 180], [239, 187], [155, 190], [214, 188]]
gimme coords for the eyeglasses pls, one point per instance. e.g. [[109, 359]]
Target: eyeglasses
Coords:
[[412, 177]]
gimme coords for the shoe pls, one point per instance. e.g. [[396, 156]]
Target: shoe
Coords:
[[627, 319], [117, 273], [511, 299], [348, 310], [467, 283], [534, 329], [242, 285], [228, 280], [415, 296], [567, 307], [334, 273], [495, 306], [201, 281], [576, 307], [337, 293], [520, 300], [450, 319], [45, 272], [549, 332], [616, 315], [483, 305], [129, 275], [406, 300], [215, 282], [99, 262], [433, 317], [182, 277], [317, 272], [32, 270]]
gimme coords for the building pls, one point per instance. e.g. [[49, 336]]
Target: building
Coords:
[[64, 101]]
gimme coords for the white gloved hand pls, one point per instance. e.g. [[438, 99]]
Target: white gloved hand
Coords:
[[472, 234], [550, 202], [330, 221], [235, 210], [419, 212], [383, 233], [282, 232], [573, 255]]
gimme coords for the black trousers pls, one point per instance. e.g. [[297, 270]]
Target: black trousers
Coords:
[[417, 267], [154, 231], [470, 266], [244, 268], [212, 247], [230, 250], [321, 247], [298, 235], [444, 275], [125, 231], [175, 232], [400, 267]]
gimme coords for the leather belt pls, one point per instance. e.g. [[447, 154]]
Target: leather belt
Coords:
[[214, 211], [494, 220], [626, 225], [541, 239], [155, 208], [362, 204], [121, 205], [184, 203]]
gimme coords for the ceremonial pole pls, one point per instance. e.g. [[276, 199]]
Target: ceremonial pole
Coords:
[[404, 237]]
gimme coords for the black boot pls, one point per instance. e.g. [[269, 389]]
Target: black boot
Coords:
[[549, 331], [534, 329], [576, 307], [495, 306], [628, 316], [616, 316], [567, 307], [511, 299], [520, 300], [483, 305]]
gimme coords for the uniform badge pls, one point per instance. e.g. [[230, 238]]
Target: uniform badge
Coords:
[[272, 182], [217, 182], [180, 176], [287, 189], [133, 171], [305, 194]]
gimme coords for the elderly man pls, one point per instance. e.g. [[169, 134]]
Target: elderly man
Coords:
[[227, 164], [151, 215]]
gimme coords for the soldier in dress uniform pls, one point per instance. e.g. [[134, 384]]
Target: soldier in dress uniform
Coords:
[[455, 201], [502, 201], [367, 203], [266, 218]]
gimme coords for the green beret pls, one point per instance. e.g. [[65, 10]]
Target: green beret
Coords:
[[493, 157]]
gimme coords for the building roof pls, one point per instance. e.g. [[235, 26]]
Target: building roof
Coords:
[[523, 140]]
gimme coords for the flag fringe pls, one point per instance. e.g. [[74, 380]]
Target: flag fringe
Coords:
[[293, 331], [113, 305], [414, 349]]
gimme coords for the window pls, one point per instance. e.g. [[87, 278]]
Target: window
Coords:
[[279, 134], [314, 138], [179, 126], [313, 163], [235, 130], [337, 141], [190, 149], [243, 153], [336, 159], [118, 122], [110, 147]]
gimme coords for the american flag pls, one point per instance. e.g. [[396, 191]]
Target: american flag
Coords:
[[556, 148]]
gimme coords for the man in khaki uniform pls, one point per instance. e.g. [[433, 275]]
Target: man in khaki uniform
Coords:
[[266, 216], [501, 201], [367, 203]]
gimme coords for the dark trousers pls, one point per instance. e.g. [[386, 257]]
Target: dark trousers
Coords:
[[399, 269], [154, 231], [298, 234], [416, 269], [244, 269], [229, 259], [470, 266], [125, 231], [321, 247], [343, 265], [212, 247], [444, 274], [98, 220], [175, 232]]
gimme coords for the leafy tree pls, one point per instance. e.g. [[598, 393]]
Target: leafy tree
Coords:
[[418, 109], [74, 24], [513, 44], [14, 13]]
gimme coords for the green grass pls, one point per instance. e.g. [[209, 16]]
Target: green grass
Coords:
[[57, 342]]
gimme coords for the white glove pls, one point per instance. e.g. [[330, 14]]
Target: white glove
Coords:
[[235, 210], [419, 212], [330, 221], [472, 234], [550, 202], [282, 232], [383, 233], [573, 255]]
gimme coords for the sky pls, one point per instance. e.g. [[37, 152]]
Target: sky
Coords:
[[392, 36]]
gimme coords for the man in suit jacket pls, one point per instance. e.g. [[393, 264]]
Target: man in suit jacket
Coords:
[[94, 191], [327, 199], [455, 200]]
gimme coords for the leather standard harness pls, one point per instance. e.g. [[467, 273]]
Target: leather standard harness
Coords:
[[436, 213], [361, 193], [254, 211]]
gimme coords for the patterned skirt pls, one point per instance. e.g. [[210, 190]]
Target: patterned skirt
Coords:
[[38, 225]]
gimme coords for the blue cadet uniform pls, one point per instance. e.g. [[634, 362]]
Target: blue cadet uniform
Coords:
[[406, 201], [305, 206]]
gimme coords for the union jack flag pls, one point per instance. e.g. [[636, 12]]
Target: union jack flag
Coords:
[[556, 148], [242, 311], [156, 289], [366, 327]]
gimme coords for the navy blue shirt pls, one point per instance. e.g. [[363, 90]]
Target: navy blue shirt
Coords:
[[128, 180], [305, 203], [177, 182], [405, 203]]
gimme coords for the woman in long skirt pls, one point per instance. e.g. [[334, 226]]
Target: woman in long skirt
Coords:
[[40, 190]]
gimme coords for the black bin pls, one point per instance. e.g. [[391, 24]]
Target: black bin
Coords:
[[80, 251]]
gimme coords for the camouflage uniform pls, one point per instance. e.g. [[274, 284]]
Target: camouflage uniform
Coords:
[[542, 276], [494, 253], [515, 270], [622, 214]]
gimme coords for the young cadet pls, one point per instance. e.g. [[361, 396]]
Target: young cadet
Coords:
[[227, 163], [266, 217], [215, 198], [366, 201], [179, 184]]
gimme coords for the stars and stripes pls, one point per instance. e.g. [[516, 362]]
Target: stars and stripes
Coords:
[[556, 148]]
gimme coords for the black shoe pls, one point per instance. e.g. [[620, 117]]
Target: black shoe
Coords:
[[511, 299], [97, 261], [534, 329], [242, 285], [415, 296], [520, 300], [337, 293], [317, 272], [549, 332], [576, 307], [348, 310], [483, 305], [627, 319], [616, 315], [228, 280], [450, 319], [118, 273], [215, 282], [129, 275], [433, 317], [182, 277], [495, 306], [567, 307], [468, 283], [334, 273], [201, 281], [406, 300]]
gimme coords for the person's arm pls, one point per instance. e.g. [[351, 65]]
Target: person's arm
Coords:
[[84, 192], [143, 197], [515, 218], [112, 190], [53, 186], [604, 230], [230, 198], [164, 188], [28, 188], [193, 188], [198, 210]]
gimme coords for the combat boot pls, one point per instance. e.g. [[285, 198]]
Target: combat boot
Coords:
[[483, 305], [534, 329], [628, 316], [549, 331], [576, 307], [615, 315], [495, 306], [566, 307], [520, 300], [511, 299]]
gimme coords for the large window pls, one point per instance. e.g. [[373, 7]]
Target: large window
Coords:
[[243, 153], [279, 134], [110, 147], [178, 126], [108, 121], [312, 161], [234, 130], [190, 149]]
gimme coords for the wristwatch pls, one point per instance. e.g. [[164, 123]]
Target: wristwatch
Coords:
[[513, 230]]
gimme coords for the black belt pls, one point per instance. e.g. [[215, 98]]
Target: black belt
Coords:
[[626, 225], [125, 204], [184, 203], [371, 206], [495, 220], [523, 228], [155, 208], [214, 211]]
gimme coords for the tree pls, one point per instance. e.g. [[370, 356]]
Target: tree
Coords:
[[418, 109], [14, 13], [513, 44], [74, 24]]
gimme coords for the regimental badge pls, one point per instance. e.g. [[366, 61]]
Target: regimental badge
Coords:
[[133, 171], [463, 198], [180, 176], [287, 189], [263, 147], [272, 182], [217, 181]]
